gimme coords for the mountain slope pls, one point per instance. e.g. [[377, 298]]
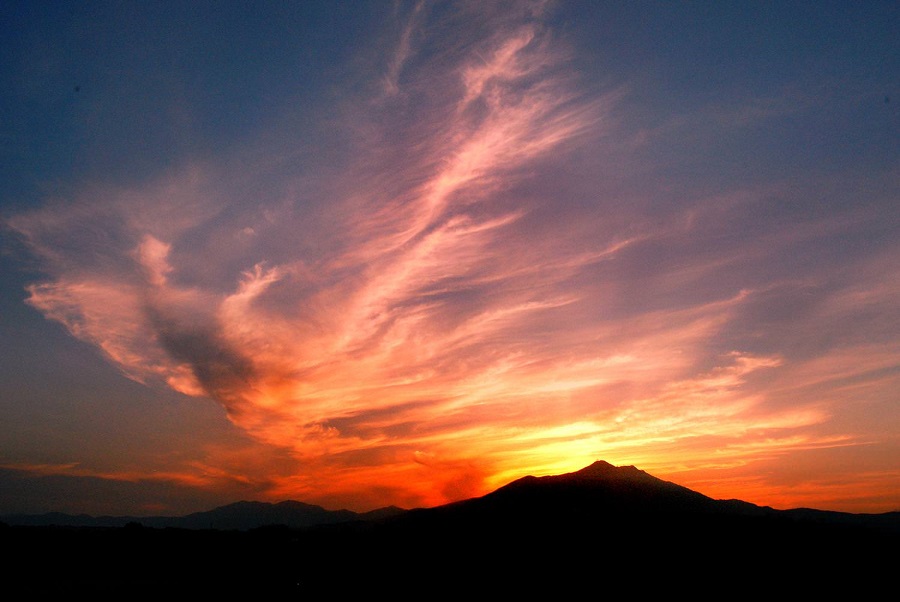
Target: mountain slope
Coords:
[[604, 486]]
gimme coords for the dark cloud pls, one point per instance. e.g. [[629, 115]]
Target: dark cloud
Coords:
[[222, 371]]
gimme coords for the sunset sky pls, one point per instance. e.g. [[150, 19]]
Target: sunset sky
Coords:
[[369, 253]]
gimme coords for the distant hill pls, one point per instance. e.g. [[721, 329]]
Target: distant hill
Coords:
[[604, 530], [237, 516]]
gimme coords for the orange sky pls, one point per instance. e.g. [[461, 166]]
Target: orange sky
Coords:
[[481, 256]]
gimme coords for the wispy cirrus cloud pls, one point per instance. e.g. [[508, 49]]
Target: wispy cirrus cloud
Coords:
[[417, 323]]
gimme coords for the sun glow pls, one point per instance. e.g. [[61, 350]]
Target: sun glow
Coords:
[[483, 262]]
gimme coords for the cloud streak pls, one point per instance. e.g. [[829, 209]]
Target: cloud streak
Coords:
[[416, 329]]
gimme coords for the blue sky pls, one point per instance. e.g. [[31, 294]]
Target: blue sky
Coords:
[[372, 253]]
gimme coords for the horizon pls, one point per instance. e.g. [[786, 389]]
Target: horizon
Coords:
[[387, 507], [363, 254]]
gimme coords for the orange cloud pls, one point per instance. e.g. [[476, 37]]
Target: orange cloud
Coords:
[[414, 333]]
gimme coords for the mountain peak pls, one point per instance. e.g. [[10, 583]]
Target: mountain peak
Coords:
[[602, 484], [604, 469]]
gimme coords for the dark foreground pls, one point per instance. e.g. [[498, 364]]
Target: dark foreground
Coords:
[[426, 555]]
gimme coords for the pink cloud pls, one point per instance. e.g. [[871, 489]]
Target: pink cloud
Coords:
[[412, 328]]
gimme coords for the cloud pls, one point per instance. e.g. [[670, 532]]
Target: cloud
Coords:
[[413, 295], [402, 52], [444, 303]]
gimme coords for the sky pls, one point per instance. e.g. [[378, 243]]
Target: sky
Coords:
[[375, 253]]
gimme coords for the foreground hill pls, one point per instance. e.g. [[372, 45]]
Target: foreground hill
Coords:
[[600, 531]]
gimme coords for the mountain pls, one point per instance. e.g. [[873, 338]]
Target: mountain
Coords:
[[607, 530], [600, 531], [240, 516], [605, 497]]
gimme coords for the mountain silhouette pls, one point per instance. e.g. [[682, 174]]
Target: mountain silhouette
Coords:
[[619, 528], [239, 516], [603, 530], [603, 496]]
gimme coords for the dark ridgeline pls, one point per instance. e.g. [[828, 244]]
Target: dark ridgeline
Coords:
[[599, 532], [239, 516]]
